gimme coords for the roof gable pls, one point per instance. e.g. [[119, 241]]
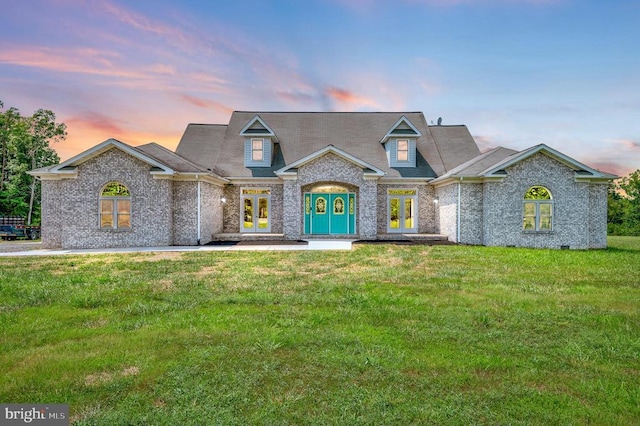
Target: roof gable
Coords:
[[257, 127], [72, 163], [292, 168], [582, 170], [402, 127]]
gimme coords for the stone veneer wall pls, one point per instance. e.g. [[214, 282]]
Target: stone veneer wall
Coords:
[[572, 221], [52, 213], [426, 207], [471, 213], [330, 168], [232, 213], [447, 211], [70, 206], [185, 213], [598, 215]]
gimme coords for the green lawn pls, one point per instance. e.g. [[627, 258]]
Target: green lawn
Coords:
[[383, 334]]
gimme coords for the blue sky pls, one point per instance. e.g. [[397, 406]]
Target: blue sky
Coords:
[[516, 72]]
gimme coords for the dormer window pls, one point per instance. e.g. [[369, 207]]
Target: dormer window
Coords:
[[257, 149], [258, 144], [403, 150], [400, 143]]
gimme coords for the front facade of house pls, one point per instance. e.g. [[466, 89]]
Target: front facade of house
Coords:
[[368, 176]]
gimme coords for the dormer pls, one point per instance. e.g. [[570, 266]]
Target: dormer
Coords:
[[259, 141], [400, 143]]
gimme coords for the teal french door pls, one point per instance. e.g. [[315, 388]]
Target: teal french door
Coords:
[[328, 214]]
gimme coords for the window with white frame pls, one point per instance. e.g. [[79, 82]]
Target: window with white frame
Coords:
[[115, 206], [257, 149], [402, 150], [538, 210]]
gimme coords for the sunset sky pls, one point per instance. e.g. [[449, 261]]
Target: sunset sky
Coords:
[[517, 72]]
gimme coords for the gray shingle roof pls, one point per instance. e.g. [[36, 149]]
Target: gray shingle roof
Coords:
[[221, 148], [169, 158], [480, 163]]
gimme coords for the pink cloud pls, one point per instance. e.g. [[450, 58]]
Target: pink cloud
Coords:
[[95, 121], [349, 100], [206, 103], [69, 60], [145, 24], [629, 144]]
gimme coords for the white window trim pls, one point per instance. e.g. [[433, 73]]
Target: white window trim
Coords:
[[401, 230], [114, 212], [269, 208], [538, 216], [254, 150], [406, 150]]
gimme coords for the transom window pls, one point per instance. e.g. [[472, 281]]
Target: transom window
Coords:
[[115, 206], [403, 150], [538, 209], [257, 149]]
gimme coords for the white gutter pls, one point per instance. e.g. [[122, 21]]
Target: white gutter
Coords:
[[458, 214], [198, 220]]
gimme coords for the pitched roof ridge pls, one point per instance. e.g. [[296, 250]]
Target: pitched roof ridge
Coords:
[[475, 159], [168, 151]]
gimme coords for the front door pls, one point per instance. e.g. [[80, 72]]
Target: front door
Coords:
[[327, 214]]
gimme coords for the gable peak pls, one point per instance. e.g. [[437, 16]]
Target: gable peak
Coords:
[[402, 127], [257, 127]]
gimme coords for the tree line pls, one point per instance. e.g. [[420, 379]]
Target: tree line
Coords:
[[24, 146], [624, 205]]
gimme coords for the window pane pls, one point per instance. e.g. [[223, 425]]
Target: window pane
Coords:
[[115, 189], [545, 209], [124, 221], [403, 150], [256, 150], [321, 206], [248, 213], [529, 209], [338, 206], [124, 207], [545, 223], [394, 213], [106, 206], [408, 213], [537, 193], [529, 224], [249, 191], [263, 213], [106, 220], [402, 192]]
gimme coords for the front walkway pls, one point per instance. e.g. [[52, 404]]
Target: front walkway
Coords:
[[242, 246]]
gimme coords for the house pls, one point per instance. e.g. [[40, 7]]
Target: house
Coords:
[[304, 175]]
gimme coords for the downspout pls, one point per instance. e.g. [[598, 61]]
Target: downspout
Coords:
[[458, 214], [198, 220]]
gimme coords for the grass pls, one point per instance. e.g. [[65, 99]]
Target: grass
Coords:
[[383, 334]]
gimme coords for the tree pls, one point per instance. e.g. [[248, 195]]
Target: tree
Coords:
[[624, 206], [24, 143]]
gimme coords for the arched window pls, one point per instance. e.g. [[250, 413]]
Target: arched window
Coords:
[[115, 206], [538, 209]]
